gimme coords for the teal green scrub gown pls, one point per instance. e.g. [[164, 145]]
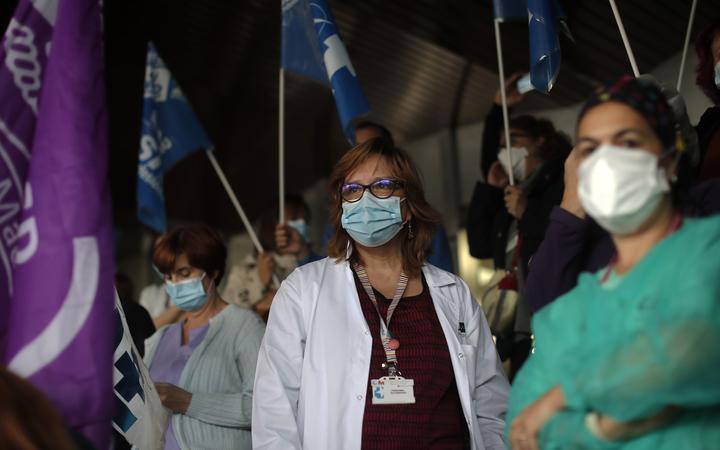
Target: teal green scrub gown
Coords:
[[630, 347]]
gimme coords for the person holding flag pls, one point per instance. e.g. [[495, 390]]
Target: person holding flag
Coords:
[[507, 222]]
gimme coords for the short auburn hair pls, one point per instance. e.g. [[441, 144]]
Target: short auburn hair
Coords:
[[705, 71], [204, 247], [424, 217]]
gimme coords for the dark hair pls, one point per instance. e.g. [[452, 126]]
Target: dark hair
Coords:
[[295, 203], [555, 143], [204, 247], [705, 72], [424, 217], [27, 418], [125, 288], [384, 132]]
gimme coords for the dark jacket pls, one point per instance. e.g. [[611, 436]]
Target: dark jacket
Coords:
[[573, 245], [491, 138], [706, 128], [488, 221]]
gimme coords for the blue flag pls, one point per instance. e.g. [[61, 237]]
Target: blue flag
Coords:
[[170, 132], [510, 9], [311, 47], [545, 18]]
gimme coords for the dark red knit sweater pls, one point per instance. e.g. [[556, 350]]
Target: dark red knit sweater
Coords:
[[435, 421]]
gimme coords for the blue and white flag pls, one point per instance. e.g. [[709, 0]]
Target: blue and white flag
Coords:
[[545, 20], [510, 9], [311, 47], [139, 414], [170, 132]]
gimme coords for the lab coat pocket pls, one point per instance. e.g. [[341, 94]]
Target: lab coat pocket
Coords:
[[468, 354]]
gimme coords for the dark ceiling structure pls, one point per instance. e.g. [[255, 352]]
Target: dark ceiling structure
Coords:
[[424, 64]]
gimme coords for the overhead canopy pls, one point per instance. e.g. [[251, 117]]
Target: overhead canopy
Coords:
[[409, 56]]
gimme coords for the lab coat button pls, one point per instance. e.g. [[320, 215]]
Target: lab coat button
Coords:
[[367, 332], [461, 356], [359, 397]]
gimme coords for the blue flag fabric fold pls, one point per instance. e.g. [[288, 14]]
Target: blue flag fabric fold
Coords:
[[170, 132], [322, 56], [544, 22]]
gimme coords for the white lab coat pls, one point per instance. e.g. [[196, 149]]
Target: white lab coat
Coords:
[[312, 372]]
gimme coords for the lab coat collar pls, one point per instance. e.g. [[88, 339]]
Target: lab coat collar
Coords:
[[434, 276]]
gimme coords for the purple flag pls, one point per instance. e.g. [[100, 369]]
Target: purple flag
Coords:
[[56, 262]]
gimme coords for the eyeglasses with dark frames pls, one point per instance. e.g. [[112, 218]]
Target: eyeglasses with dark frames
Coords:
[[382, 188]]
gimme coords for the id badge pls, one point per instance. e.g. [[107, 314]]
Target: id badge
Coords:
[[392, 391]]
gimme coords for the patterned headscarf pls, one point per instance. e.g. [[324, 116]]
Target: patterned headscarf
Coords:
[[646, 98]]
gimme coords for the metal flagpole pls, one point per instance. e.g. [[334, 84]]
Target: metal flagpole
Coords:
[[687, 44], [236, 204], [501, 71], [281, 147], [624, 37]]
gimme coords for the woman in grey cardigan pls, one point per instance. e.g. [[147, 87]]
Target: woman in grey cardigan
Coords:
[[204, 365]]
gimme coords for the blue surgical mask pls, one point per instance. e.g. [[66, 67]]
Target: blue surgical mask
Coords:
[[372, 221], [717, 75], [188, 295], [301, 227]]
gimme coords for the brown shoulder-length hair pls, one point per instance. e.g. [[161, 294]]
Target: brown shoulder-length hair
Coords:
[[27, 418], [424, 217]]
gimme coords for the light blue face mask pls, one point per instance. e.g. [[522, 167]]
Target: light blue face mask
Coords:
[[717, 75], [372, 221], [188, 295], [301, 227]]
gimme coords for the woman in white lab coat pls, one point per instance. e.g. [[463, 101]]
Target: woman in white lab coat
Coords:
[[371, 347]]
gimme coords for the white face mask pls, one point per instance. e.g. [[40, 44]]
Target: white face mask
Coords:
[[519, 156], [621, 187]]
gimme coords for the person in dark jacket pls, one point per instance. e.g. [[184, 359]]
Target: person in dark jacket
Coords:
[[538, 152], [574, 243], [707, 47], [507, 222]]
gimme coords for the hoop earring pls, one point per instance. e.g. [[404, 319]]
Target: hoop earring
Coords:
[[411, 233]]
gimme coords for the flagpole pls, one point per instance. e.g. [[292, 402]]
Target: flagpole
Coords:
[[624, 37], [503, 98], [687, 44], [241, 212], [234, 200], [281, 147]]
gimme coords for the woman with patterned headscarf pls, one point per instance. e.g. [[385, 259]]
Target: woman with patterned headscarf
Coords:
[[627, 359]]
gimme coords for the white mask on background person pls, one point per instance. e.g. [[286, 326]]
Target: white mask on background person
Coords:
[[717, 75], [621, 187], [519, 157]]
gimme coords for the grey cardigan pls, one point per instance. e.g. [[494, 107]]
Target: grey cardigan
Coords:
[[220, 375]]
